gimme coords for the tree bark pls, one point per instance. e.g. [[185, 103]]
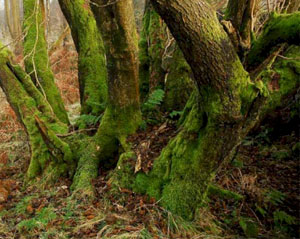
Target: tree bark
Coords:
[[36, 58], [92, 71], [122, 115]]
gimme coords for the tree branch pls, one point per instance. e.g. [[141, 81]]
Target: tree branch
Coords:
[[283, 28]]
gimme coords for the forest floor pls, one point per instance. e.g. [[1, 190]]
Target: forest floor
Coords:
[[257, 195], [265, 173]]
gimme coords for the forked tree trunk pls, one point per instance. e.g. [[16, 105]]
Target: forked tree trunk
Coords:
[[36, 58], [227, 106], [122, 115], [92, 71], [50, 156]]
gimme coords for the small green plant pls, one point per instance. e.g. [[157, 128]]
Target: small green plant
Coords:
[[262, 137], [262, 211], [41, 220], [274, 197], [283, 221], [281, 217], [143, 125], [281, 154], [22, 205], [154, 100], [237, 163], [175, 114], [151, 107], [249, 227], [85, 121]]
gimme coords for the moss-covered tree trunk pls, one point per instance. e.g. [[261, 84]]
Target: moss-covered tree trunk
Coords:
[[227, 106], [122, 115], [50, 156], [36, 58], [92, 71]]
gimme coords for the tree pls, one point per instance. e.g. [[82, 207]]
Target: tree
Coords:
[[54, 151], [228, 104], [12, 14]]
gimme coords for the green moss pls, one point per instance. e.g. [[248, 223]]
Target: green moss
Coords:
[[36, 58], [123, 175], [91, 56], [178, 82], [285, 75], [279, 29], [115, 126]]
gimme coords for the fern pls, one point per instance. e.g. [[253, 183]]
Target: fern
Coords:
[[281, 217], [275, 197], [87, 120], [155, 99], [175, 113]]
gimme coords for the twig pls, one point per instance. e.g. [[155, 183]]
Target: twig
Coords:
[[75, 132]]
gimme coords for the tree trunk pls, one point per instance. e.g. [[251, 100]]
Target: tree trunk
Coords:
[[122, 115], [7, 17], [92, 71], [50, 156], [12, 13], [36, 58], [227, 106]]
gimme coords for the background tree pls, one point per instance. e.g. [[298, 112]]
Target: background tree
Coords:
[[162, 65], [12, 14]]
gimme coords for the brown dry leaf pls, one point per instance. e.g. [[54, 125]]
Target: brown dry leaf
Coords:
[[40, 207], [29, 209], [3, 194], [110, 219], [3, 158], [90, 216], [9, 184]]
